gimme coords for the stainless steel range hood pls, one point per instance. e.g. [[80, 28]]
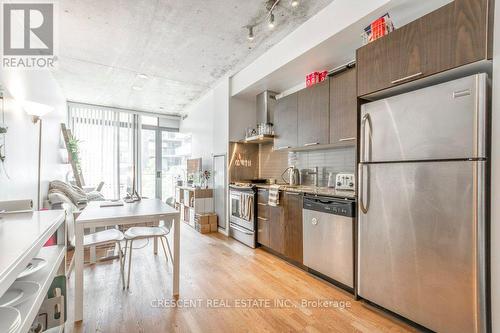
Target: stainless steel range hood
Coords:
[[266, 102]]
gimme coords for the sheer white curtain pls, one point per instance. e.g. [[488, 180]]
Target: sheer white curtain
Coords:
[[105, 143]]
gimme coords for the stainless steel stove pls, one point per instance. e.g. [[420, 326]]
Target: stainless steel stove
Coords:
[[243, 207]]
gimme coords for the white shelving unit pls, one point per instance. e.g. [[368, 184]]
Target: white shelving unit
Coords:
[[22, 236]]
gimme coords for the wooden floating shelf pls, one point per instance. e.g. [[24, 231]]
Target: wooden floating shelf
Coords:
[[263, 138]]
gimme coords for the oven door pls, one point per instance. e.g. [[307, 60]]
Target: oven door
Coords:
[[236, 211]]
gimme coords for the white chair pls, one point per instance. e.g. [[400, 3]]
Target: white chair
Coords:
[[135, 233], [94, 239]]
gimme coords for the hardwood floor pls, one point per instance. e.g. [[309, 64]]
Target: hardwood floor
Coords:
[[218, 277]]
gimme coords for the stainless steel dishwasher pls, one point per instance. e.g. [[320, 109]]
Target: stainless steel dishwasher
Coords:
[[328, 238]]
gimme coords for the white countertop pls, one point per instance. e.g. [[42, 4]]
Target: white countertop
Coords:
[[21, 237]]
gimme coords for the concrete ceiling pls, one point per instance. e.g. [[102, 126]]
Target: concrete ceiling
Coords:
[[183, 47]]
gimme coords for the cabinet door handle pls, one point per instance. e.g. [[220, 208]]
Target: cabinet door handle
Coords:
[[293, 193], [261, 218], [311, 144], [281, 148], [347, 139], [407, 77]]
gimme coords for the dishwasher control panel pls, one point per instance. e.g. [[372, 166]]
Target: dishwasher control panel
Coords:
[[330, 205]]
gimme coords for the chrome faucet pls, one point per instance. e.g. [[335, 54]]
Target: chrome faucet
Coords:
[[315, 173]]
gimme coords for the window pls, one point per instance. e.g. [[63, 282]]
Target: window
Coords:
[[106, 142]]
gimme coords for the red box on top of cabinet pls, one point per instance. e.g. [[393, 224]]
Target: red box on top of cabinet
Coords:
[[312, 79], [323, 75], [315, 77]]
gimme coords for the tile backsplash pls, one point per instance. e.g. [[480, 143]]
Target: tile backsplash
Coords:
[[329, 160], [335, 160]]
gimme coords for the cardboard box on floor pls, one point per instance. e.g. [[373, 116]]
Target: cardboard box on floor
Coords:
[[206, 223]]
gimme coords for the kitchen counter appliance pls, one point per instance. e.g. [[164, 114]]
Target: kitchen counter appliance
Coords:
[[421, 212], [343, 181], [293, 176], [328, 226], [243, 210]]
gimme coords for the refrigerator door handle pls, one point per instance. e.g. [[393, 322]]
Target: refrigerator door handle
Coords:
[[366, 118], [364, 207], [480, 240]]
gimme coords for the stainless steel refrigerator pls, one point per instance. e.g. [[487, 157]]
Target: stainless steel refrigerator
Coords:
[[421, 241]]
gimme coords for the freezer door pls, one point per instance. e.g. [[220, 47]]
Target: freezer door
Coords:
[[421, 242], [445, 121]]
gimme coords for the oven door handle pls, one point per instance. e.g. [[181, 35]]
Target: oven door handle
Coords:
[[235, 227]]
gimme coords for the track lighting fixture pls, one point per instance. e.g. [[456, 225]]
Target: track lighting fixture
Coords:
[[271, 23], [271, 7]]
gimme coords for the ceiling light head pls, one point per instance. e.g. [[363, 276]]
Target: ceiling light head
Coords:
[[142, 76], [136, 88], [250, 33], [294, 3], [271, 23]]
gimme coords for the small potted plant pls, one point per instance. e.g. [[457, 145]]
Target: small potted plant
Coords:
[[205, 176]]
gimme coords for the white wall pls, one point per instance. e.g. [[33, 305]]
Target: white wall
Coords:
[[207, 121], [495, 179], [199, 124], [22, 138], [221, 117]]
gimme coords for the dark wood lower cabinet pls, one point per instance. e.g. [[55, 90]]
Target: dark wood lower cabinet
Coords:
[[292, 204], [280, 228], [263, 231], [277, 229]]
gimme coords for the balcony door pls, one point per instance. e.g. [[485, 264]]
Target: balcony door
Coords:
[[161, 162]]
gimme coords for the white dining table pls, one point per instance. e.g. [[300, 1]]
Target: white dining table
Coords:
[[94, 216]]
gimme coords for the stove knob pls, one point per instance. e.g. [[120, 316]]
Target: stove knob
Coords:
[[339, 183], [351, 184]]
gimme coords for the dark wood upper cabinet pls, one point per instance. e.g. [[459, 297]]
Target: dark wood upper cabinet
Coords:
[[285, 122], [313, 115], [343, 108], [456, 34], [292, 205]]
